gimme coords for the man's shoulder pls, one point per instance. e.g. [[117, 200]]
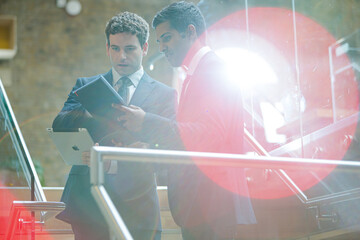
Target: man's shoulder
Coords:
[[211, 59], [92, 78], [158, 84], [210, 65], [88, 79]]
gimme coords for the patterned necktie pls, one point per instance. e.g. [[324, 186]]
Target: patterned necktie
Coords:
[[124, 83]]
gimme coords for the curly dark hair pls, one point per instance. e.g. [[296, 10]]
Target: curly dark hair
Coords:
[[180, 15], [129, 23]]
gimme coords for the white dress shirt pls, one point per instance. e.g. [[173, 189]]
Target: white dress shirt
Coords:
[[135, 79]]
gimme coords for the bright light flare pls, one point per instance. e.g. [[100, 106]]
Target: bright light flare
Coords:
[[247, 69], [270, 33]]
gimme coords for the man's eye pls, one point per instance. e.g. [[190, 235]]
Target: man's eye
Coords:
[[115, 48], [129, 49], [166, 38]]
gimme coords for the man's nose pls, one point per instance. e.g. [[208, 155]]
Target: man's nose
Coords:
[[162, 47], [122, 54]]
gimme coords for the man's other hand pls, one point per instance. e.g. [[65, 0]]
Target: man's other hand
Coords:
[[85, 157], [132, 118], [139, 145]]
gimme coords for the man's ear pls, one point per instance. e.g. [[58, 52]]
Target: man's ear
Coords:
[[145, 48], [191, 32], [107, 49]]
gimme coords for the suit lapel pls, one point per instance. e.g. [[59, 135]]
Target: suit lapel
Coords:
[[143, 90], [192, 85]]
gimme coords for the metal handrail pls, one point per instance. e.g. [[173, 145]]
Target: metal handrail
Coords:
[[281, 173], [340, 196], [103, 200], [113, 218]]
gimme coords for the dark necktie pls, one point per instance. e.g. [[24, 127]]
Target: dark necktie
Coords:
[[123, 91]]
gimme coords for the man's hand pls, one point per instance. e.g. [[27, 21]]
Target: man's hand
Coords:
[[139, 145], [116, 143], [132, 118], [85, 157]]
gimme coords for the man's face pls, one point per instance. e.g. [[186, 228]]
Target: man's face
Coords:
[[173, 44], [125, 53]]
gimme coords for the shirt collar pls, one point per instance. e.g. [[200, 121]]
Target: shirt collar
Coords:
[[134, 78], [196, 59]]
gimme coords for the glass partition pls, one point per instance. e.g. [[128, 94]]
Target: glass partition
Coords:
[[297, 65], [18, 178], [12, 173]]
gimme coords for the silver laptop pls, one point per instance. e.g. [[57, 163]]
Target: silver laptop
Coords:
[[71, 144]]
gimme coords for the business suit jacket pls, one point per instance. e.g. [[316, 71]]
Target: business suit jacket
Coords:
[[209, 119], [133, 188]]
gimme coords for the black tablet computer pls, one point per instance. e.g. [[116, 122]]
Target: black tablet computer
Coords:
[[97, 97]]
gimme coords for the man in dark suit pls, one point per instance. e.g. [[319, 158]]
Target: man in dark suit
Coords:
[[206, 202], [131, 187]]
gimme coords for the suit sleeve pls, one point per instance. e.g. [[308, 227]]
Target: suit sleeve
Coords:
[[169, 105], [73, 114], [162, 132], [152, 128], [205, 134]]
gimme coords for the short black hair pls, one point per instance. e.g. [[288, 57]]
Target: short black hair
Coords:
[[180, 15], [129, 23]]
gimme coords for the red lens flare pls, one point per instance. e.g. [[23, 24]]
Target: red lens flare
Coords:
[[299, 56]]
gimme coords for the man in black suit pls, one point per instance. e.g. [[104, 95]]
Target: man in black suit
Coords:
[[206, 202], [131, 187]]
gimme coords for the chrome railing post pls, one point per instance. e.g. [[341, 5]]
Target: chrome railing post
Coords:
[[117, 227], [281, 173]]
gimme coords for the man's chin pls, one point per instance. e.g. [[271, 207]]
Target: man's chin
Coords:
[[174, 63], [123, 71]]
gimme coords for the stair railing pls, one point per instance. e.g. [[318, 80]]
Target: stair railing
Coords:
[[113, 218]]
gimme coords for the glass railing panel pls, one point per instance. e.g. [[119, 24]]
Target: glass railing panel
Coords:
[[260, 48], [12, 172], [13, 184], [320, 215], [18, 178], [328, 60]]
